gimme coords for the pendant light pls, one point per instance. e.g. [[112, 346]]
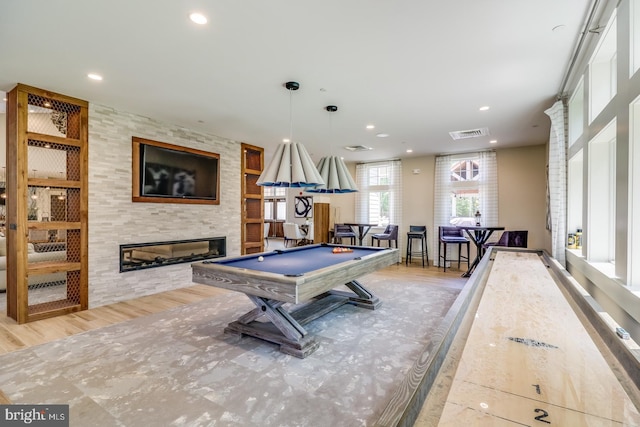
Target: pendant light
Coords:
[[333, 171], [291, 166]]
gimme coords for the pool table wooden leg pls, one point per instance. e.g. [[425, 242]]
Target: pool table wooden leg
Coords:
[[282, 329], [286, 328], [363, 297]]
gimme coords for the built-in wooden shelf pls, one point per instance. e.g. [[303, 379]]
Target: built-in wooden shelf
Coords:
[[252, 200], [47, 161]]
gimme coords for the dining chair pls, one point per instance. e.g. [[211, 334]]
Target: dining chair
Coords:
[[451, 236], [267, 226], [390, 234], [514, 239], [342, 231], [292, 233], [309, 236]]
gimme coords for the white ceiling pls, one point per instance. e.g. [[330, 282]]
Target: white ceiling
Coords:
[[416, 69]]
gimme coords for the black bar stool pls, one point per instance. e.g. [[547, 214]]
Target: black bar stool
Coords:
[[417, 232]]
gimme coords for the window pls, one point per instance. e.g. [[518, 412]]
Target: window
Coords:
[[601, 195], [379, 199], [466, 184], [275, 204], [576, 113], [603, 74], [465, 200]]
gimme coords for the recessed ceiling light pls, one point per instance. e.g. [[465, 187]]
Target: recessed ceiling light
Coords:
[[382, 135], [484, 108], [198, 18], [370, 127], [94, 76], [493, 141], [409, 150], [286, 140]]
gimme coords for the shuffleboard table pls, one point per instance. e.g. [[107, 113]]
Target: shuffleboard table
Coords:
[[304, 277]]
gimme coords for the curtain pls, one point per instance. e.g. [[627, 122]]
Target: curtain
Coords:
[[487, 185], [442, 195], [557, 181], [394, 187], [488, 188], [362, 196]]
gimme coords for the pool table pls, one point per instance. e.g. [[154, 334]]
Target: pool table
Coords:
[[303, 277]]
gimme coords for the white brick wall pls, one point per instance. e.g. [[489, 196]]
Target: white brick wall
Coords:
[[114, 219]]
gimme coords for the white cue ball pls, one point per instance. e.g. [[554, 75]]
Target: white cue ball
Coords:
[[260, 259]]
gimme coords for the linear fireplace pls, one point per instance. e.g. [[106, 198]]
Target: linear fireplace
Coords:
[[138, 256]]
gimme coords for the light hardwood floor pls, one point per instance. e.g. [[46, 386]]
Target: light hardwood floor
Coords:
[[16, 337]]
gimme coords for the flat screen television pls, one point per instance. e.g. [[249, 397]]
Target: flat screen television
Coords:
[[166, 173]]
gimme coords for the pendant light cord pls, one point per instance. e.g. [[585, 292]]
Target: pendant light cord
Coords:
[[290, 116]]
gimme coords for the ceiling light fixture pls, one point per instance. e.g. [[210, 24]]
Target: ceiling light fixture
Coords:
[[493, 141], [291, 166], [198, 18], [371, 127], [484, 108], [333, 170], [94, 76], [382, 135]]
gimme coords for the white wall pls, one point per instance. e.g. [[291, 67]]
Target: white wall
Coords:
[[521, 192], [114, 219]]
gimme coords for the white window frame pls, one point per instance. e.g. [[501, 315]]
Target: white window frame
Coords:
[[367, 189]]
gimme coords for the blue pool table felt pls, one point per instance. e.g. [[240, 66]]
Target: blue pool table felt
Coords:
[[296, 262]]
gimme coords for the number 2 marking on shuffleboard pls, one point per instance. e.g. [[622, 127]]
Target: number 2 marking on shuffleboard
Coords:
[[545, 414]]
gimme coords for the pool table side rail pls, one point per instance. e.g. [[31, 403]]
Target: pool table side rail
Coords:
[[290, 289], [328, 278]]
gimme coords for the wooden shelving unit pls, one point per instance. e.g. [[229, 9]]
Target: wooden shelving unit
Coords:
[[47, 196], [252, 200]]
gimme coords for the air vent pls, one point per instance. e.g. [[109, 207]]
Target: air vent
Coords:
[[472, 133], [357, 148]]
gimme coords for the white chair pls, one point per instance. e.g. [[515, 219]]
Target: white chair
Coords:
[[309, 237], [266, 232], [292, 232]]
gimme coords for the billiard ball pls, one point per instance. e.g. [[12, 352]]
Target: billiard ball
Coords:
[[260, 259]]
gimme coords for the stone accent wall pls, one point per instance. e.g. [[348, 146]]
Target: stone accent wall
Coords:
[[114, 219]]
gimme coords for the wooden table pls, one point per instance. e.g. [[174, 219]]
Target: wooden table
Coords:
[[293, 276], [360, 229], [479, 236]]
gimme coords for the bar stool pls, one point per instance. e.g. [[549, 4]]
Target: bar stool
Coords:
[[417, 232], [451, 235]]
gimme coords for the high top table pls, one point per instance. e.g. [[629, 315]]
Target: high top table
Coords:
[[362, 229], [479, 236]]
